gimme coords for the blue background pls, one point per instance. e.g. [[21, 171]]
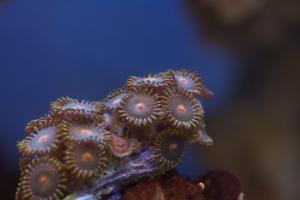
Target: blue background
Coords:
[[84, 49]]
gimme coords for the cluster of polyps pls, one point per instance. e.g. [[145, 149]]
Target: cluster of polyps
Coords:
[[95, 148]]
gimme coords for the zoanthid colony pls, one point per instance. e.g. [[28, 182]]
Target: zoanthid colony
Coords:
[[92, 150]]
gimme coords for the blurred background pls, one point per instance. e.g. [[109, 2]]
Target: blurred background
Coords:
[[246, 50]]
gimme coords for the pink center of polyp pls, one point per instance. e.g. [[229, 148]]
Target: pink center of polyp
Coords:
[[86, 132], [181, 108], [139, 106], [43, 179], [87, 156], [43, 138], [77, 107], [173, 146], [120, 144], [183, 81]]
